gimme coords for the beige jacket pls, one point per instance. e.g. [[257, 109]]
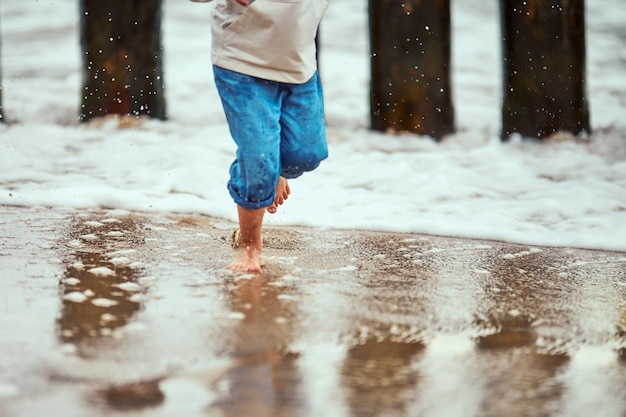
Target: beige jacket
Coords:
[[270, 39]]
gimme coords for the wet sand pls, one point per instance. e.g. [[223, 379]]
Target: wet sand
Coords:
[[110, 313]]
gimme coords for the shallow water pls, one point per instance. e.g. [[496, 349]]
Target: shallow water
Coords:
[[117, 313]]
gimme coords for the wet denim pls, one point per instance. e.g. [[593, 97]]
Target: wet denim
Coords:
[[278, 128]]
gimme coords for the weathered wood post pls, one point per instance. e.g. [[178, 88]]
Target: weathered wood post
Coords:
[[543, 44], [122, 58], [410, 66]]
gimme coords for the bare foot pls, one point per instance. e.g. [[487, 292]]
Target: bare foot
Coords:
[[250, 242], [282, 193], [248, 259]]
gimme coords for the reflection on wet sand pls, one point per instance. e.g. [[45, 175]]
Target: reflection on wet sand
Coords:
[[379, 377], [99, 290], [100, 295], [134, 395], [266, 380], [409, 326], [529, 314]]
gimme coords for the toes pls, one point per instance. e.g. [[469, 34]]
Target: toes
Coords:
[[282, 193]]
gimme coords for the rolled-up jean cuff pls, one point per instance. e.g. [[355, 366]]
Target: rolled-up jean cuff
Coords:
[[249, 205]]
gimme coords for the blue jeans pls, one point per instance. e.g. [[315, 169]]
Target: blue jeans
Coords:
[[278, 128]]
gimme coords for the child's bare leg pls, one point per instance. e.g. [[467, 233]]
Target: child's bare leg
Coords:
[[282, 193], [250, 243]]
